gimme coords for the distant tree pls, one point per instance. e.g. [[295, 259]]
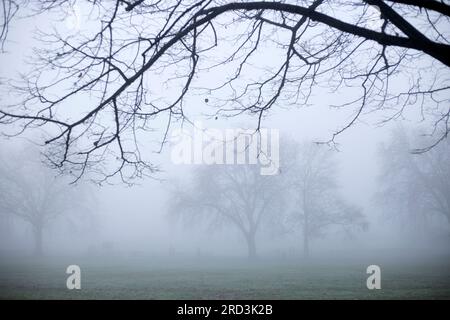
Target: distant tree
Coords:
[[414, 186], [137, 64], [30, 191], [318, 206], [237, 195]]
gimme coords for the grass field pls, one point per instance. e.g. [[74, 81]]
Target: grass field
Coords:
[[220, 279]]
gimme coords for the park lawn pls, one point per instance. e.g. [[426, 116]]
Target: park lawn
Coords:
[[147, 279]]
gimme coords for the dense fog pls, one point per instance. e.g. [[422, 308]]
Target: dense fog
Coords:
[[145, 219], [378, 193]]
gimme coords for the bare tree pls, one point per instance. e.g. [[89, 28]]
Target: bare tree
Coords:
[[32, 192], [9, 10], [129, 53], [415, 187], [317, 204], [236, 195]]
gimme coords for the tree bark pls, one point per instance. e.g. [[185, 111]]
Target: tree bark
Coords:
[[251, 244], [306, 237], [37, 230]]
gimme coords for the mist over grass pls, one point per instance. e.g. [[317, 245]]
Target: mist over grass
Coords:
[[150, 277]]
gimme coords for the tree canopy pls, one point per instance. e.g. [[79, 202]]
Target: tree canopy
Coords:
[[138, 63]]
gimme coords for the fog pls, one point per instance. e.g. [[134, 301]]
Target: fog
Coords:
[[365, 198], [134, 220]]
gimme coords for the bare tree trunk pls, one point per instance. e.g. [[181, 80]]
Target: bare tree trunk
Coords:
[[37, 230], [251, 244], [306, 237]]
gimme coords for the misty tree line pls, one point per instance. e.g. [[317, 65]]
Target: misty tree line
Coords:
[[415, 187], [36, 195], [305, 198]]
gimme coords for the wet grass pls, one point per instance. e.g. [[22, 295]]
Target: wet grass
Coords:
[[176, 279]]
